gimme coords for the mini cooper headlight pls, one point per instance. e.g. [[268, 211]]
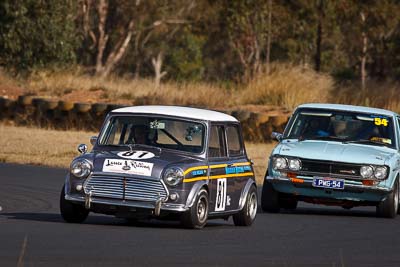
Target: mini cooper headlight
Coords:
[[279, 163], [81, 168], [294, 164], [380, 172], [366, 171], [173, 176]]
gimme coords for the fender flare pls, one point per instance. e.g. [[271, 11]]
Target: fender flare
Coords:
[[194, 192], [67, 186], [245, 191]]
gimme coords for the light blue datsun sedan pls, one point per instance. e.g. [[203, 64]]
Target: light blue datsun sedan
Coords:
[[336, 155]]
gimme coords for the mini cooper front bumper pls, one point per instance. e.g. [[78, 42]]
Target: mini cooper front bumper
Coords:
[[156, 206]]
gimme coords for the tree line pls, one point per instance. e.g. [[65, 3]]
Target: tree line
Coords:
[[211, 40]]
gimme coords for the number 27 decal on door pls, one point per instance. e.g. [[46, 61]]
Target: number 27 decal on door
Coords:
[[221, 195]]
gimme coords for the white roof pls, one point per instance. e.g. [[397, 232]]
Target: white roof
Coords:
[[183, 112], [349, 108]]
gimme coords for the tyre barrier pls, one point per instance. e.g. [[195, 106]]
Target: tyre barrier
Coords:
[[65, 115]]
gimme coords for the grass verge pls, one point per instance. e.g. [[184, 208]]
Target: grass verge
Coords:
[[57, 148]]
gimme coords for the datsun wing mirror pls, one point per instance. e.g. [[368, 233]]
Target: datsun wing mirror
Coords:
[[277, 136]]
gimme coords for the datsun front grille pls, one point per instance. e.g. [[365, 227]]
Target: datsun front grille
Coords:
[[330, 168], [125, 188]]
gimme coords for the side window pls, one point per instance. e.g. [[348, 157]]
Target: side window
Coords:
[[398, 130], [216, 147], [234, 143]]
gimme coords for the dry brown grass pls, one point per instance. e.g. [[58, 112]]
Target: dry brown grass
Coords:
[[39, 146], [380, 95], [288, 86], [57, 148], [125, 90], [259, 154]]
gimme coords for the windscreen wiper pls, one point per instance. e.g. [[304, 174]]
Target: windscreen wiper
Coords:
[[366, 141], [131, 146], [329, 138]]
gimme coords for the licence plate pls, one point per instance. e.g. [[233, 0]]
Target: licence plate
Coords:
[[328, 183]]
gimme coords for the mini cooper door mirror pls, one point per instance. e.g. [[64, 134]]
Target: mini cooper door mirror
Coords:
[[82, 148], [93, 140], [277, 136]]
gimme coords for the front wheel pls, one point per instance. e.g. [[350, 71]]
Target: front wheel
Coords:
[[269, 198], [247, 215], [389, 207], [70, 212], [196, 216]]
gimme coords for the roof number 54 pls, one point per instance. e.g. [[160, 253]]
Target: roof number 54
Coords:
[[380, 121]]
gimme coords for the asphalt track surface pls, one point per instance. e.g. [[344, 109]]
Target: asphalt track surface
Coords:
[[32, 233]]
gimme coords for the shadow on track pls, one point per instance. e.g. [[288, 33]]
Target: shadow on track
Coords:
[[327, 211], [105, 220]]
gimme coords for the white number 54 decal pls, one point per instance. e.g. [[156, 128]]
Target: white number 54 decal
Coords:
[[221, 195]]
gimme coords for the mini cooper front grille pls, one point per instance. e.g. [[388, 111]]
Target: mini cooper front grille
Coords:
[[330, 168], [125, 188]]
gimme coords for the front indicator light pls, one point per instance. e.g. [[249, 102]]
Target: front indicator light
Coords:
[[369, 182], [297, 180]]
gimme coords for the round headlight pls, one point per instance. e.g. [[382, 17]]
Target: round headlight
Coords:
[[173, 176], [366, 171], [380, 172], [81, 168], [294, 164], [279, 163]]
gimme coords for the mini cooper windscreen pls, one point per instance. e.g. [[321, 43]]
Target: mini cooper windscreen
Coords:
[[342, 126], [186, 136]]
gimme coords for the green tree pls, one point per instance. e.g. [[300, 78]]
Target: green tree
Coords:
[[37, 33], [185, 59]]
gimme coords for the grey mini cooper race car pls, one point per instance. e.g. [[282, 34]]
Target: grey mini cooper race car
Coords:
[[163, 162]]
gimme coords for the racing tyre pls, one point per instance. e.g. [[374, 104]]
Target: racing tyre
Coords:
[[70, 212], [287, 202], [247, 215], [390, 206], [269, 198], [196, 216]]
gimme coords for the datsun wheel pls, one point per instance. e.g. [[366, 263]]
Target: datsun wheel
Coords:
[[248, 214], [389, 207], [196, 216], [269, 198], [70, 212]]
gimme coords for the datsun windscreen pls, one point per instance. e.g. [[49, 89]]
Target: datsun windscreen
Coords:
[[342, 126]]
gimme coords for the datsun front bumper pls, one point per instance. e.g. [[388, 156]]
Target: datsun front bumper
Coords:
[[353, 190]]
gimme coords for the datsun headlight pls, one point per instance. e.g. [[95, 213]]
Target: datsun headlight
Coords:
[[173, 176], [366, 171], [81, 168], [279, 163], [380, 172], [294, 164]]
